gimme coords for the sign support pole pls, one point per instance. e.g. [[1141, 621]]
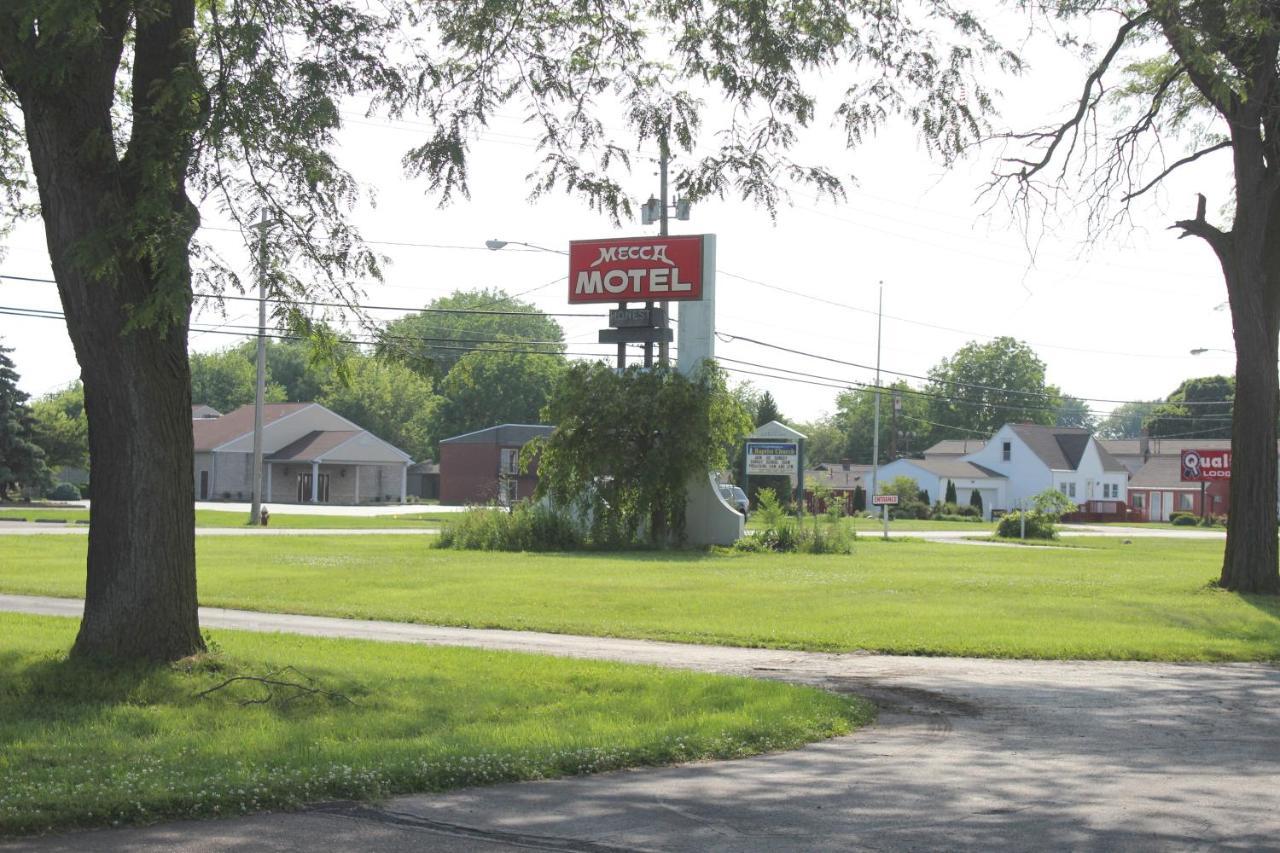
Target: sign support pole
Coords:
[[884, 510], [1203, 485], [622, 347], [663, 156]]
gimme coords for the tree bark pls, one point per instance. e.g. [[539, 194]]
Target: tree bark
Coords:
[[118, 231], [1250, 560]]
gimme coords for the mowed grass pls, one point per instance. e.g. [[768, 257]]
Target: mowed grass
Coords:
[[1149, 600], [223, 518], [83, 747]]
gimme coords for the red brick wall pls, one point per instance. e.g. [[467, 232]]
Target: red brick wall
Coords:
[[469, 474]]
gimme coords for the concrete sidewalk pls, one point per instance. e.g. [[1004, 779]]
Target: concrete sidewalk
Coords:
[[967, 755]]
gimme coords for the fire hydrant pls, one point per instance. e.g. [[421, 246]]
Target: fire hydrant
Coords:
[[265, 516]]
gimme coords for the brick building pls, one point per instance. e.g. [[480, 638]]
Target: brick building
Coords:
[[484, 466]]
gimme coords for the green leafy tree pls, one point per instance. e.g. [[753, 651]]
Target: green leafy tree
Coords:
[[61, 427], [433, 341], [487, 388], [129, 109], [855, 418], [824, 442], [1172, 83], [1200, 407], [22, 461], [1074, 412], [984, 386], [1127, 420], [226, 380], [626, 446], [389, 400]]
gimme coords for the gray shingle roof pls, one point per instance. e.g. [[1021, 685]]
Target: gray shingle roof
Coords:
[[507, 434], [955, 469]]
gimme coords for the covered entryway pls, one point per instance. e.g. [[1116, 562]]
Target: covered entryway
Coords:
[[305, 484]]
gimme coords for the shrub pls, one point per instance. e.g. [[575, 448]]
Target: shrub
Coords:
[[527, 527], [952, 516], [84, 490], [1038, 526], [65, 492], [781, 534], [975, 500], [1183, 519]]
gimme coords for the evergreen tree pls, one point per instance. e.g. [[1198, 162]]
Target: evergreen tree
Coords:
[[21, 459], [767, 410], [975, 500], [951, 492]]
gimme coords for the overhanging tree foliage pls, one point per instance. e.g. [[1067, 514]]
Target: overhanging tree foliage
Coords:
[[1179, 81], [127, 113], [626, 446]]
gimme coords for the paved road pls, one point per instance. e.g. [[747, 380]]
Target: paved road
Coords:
[[966, 755]]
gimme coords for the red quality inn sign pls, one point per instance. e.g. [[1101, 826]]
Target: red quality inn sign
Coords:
[[1203, 466], [635, 269]]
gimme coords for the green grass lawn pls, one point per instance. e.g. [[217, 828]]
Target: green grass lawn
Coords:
[[873, 525], [222, 518], [82, 747], [1149, 600]]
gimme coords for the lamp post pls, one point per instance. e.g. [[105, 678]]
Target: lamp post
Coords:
[[1203, 350]]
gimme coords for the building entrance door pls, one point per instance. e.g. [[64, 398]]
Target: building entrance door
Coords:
[[304, 489]]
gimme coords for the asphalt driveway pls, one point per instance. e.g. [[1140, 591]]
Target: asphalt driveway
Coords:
[[967, 754]]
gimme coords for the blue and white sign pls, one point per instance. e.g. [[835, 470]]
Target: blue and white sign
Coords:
[[772, 458]]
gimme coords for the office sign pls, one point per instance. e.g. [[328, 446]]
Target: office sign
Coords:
[[772, 458], [1205, 466], [884, 500], [636, 269]]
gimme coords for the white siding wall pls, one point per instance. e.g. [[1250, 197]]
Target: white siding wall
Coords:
[[1026, 474]]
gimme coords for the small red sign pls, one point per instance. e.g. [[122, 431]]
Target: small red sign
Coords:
[[884, 500], [635, 269], [1205, 466]]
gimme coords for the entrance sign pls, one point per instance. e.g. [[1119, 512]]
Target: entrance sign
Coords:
[[1205, 466], [772, 458], [636, 269], [636, 336], [884, 500]]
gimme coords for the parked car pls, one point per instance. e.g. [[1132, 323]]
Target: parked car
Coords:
[[735, 497]]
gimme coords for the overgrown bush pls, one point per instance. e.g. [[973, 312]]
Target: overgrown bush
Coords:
[[824, 534], [527, 527], [947, 516], [1184, 519], [950, 509], [1038, 526], [65, 492]]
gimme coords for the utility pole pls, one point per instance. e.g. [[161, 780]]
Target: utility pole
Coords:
[[664, 156], [259, 395], [893, 416], [875, 435]]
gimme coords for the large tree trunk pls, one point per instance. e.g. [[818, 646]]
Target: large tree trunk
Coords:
[[118, 231], [1250, 561]]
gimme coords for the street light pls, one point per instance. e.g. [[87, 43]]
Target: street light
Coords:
[[1203, 350], [496, 244]]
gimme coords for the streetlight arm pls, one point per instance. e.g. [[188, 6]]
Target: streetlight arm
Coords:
[[496, 244]]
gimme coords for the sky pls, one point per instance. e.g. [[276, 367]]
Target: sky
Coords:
[[1114, 319]]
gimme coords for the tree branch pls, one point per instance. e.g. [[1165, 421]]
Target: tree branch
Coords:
[[1198, 227], [1190, 158], [270, 680]]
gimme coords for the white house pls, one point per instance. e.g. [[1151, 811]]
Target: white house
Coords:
[[309, 455], [1022, 460], [932, 475], [1035, 458]]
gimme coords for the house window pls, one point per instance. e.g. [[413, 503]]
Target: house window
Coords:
[[510, 461], [1110, 490], [1062, 487], [1139, 500], [1006, 450], [1185, 501]]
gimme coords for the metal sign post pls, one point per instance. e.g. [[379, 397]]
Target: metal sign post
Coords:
[[884, 502]]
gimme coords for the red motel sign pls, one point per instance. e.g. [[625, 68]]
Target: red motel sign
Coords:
[[635, 269], [1205, 466]]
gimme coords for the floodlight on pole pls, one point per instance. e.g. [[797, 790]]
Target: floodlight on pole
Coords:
[[495, 244], [1203, 350]]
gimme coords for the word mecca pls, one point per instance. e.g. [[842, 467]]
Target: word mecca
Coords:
[[636, 269]]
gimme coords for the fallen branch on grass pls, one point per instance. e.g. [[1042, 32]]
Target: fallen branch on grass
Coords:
[[273, 682]]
